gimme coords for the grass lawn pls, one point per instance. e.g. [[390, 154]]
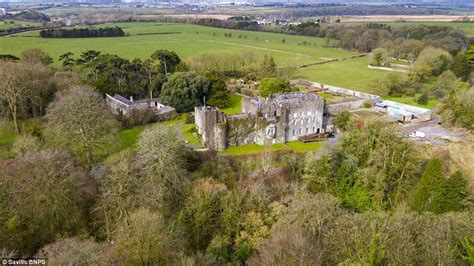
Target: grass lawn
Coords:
[[128, 137], [352, 74], [325, 95], [305, 147], [179, 119], [190, 137], [7, 137], [236, 105], [254, 148], [411, 101]]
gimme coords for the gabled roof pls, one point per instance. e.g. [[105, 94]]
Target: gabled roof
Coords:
[[122, 99]]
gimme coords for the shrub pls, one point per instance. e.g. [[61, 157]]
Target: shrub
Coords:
[[423, 98], [189, 118]]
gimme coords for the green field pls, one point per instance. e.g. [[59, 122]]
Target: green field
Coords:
[[191, 137], [10, 24], [236, 105], [186, 39]]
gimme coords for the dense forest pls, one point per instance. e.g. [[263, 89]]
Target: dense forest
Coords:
[[82, 33]]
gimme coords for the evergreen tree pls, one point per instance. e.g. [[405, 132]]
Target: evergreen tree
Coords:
[[184, 91], [268, 68], [220, 95], [430, 189], [455, 192], [461, 66]]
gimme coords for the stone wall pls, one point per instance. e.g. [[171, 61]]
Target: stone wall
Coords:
[[346, 106], [116, 106], [336, 89]]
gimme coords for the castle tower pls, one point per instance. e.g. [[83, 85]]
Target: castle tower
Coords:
[[212, 126]]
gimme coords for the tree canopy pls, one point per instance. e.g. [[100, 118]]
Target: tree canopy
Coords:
[[269, 86], [185, 90]]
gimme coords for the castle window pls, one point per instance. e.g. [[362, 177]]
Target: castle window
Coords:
[[307, 130], [318, 130], [271, 130], [301, 114], [309, 112], [314, 129], [294, 122], [301, 131], [295, 115], [294, 132]]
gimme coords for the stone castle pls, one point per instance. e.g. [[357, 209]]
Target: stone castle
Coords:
[[277, 119]]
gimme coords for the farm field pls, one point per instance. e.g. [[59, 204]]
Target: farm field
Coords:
[[10, 23], [192, 40], [185, 39]]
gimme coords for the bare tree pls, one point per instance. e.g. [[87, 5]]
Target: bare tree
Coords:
[[25, 89], [79, 117], [145, 237], [162, 161], [13, 89]]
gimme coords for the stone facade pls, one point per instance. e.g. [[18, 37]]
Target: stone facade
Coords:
[[277, 119]]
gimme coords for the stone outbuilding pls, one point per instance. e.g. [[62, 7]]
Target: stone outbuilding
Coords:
[[123, 106]]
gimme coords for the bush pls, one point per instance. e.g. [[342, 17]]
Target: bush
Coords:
[[423, 98], [269, 86], [189, 118]]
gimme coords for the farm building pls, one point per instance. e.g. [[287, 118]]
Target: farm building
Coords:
[[404, 112], [123, 106]]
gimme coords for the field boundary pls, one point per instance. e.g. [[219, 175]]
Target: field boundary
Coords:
[[260, 48], [334, 60]]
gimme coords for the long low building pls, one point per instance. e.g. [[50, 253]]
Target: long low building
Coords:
[[123, 106], [404, 112]]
